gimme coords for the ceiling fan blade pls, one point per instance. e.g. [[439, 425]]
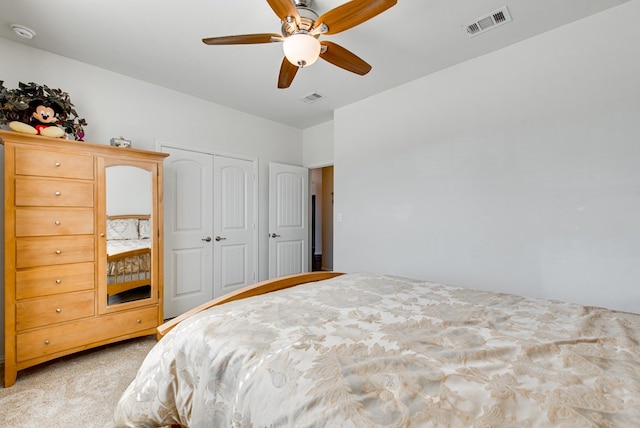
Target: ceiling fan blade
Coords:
[[244, 39], [352, 13], [287, 73], [284, 9], [341, 57]]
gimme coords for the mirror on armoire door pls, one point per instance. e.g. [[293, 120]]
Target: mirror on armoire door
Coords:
[[129, 220]]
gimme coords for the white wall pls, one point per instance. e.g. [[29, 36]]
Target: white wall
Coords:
[[317, 153], [518, 171], [115, 105], [318, 145]]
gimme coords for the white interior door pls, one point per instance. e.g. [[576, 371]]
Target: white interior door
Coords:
[[188, 230], [233, 224], [288, 220]]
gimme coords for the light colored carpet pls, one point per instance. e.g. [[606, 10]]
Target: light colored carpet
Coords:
[[79, 390]]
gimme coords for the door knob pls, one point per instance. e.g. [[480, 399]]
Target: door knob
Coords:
[[219, 238], [273, 235], [207, 239]]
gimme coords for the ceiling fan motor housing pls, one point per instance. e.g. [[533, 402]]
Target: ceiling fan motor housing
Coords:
[[308, 18]]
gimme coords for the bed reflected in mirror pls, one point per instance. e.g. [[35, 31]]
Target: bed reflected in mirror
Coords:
[[128, 229]]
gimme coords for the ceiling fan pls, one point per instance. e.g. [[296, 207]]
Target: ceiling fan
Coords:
[[301, 28]]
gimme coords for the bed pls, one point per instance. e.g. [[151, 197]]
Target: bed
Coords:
[[372, 350], [128, 255]]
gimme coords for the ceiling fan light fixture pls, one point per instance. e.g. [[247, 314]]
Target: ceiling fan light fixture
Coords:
[[301, 49]]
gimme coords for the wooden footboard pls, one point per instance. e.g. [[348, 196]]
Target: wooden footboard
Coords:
[[249, 291], [130, 270]]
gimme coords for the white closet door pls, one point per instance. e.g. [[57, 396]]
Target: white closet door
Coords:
[[188, 230], [210, 227], [233, 224], [288, 220]]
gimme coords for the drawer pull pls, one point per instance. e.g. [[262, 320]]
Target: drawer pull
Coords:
[[138, 321], [58, 193], [58, 281], [46, 342], [57, 222], [58, 164], [58, 310], [58, 252]]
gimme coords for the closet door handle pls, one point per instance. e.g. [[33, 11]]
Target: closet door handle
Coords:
[[207, 239], [219, 238], [274, 235]]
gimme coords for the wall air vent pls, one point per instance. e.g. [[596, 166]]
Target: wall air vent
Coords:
[[489, 21], [312, 98]]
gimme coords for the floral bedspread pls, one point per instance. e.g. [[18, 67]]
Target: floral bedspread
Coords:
[[365, 350], [121, 246]]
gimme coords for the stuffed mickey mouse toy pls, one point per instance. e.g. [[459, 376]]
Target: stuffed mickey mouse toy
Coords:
[[43, 118]]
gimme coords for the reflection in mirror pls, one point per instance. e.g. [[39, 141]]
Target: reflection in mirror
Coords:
[[129, 225]]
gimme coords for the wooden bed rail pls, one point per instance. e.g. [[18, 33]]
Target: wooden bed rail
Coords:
[[127, 216], [250, 291]]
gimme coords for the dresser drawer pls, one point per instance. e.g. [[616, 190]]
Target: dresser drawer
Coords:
[[77, 334], [54, 309], [32, 252], [44, 281], [40, 192], [53, 221], [53, 164]]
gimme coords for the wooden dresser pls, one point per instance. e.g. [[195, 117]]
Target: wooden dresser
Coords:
[[55, 293]]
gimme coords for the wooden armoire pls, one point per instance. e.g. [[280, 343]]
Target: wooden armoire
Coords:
[[59, 196]]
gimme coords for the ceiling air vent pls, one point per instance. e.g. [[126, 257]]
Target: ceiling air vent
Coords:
[[312, 98], [489, 21]]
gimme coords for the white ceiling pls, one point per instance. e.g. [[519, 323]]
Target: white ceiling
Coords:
[[159, 41]]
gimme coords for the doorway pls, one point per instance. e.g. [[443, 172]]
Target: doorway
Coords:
[[322, 218]]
